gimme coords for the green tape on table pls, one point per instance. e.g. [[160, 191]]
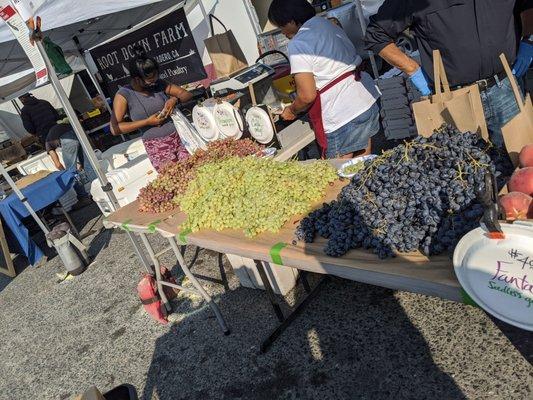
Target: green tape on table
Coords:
[[183, 236], [125, 225], [275, 253], [467, 299], [152, 226]]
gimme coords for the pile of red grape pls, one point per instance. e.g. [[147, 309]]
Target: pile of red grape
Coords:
[[162, 195]]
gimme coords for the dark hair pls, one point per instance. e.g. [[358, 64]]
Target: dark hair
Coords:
[[282, 12], [142, 66]]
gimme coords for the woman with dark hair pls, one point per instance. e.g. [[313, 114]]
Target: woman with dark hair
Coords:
[[149, 102], [340, 100]]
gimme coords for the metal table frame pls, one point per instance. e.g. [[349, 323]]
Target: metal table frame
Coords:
[[198, 288]]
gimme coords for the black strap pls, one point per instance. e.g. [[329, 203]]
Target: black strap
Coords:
[[211, 18], [150, 301]]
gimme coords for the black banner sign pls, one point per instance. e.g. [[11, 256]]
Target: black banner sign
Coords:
[[169, 40]]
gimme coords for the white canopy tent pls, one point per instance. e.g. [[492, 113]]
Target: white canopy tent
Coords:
[[93, 25], [100, 20]]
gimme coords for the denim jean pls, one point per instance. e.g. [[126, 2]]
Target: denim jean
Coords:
[[499, 105], [73, 155]]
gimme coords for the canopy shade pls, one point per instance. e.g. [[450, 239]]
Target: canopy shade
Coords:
[[94, 23]]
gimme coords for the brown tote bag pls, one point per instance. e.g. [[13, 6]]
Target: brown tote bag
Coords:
[[224, 50], [461, 108], [518, 132]]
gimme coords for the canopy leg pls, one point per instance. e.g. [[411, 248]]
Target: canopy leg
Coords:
[[198, 286]]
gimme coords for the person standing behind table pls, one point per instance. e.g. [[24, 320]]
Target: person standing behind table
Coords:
[[150, 101], [38, 116], [62, 135], [340, 101], [471, 35]]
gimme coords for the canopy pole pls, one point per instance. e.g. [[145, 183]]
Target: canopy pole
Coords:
[[87, 148], [371, 55], [95, 82], [206, 17]]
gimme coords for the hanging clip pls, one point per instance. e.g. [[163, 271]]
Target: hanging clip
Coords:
[[36, 33]]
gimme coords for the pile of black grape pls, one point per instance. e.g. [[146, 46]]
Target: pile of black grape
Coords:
[[418, 196]]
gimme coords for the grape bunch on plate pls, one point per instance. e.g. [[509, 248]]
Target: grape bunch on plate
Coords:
[[418, 196]]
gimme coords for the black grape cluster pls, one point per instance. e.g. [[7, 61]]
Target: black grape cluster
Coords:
[[418, 196]]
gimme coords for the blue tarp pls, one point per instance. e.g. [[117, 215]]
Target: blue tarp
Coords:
[[40, 195]]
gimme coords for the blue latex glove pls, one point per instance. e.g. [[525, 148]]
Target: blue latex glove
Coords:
[[421, 82], [523, 59]]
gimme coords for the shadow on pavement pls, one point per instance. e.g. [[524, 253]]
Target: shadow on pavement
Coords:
[[333, 350]]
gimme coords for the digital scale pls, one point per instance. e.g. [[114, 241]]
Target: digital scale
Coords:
[[240, 80]]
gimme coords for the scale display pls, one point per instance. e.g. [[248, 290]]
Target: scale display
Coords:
[[241, 79]]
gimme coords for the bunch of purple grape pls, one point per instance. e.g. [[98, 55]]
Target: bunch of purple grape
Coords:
[[418, 196]]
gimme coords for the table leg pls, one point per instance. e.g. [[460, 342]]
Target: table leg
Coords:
[[223, 275], [198, 286], [69, 220], [285, 321], [269, 290], [291, 317], [157, 269]]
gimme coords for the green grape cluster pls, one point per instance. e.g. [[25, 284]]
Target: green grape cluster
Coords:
[[162, 195], [253, 194]]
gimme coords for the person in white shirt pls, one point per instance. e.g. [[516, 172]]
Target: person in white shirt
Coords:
[[340, 101]]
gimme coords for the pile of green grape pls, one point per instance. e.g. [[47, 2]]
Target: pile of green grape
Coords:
[[253, 194], [162, 195]]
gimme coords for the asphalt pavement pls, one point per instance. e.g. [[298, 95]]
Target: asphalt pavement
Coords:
[[354, 341]]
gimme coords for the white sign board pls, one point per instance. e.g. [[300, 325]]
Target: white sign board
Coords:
[[18, 27]]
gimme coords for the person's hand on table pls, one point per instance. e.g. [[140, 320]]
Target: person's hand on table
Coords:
[[154, 120], [421, 82], [288, 114], [523, 59], [60, 167], [170, 104]]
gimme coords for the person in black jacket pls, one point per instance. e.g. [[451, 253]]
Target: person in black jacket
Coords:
[[471, 35], [38, 116]]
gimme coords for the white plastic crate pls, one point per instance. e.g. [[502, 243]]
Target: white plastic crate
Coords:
[[127, 182], [282, 279], [123, 153], [38, 162]]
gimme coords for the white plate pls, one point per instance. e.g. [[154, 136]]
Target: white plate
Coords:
[[353, 161], [204, 121], [229, 120], [498, 273], [260, 125]]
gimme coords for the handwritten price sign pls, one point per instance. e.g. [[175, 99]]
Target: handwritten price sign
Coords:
[[498, 274], [513, 281]]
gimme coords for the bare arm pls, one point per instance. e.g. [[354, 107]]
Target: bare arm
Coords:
[[55, 159], [305, 95], [179, 93], [175, 94], [397, 58], [119, 126]]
